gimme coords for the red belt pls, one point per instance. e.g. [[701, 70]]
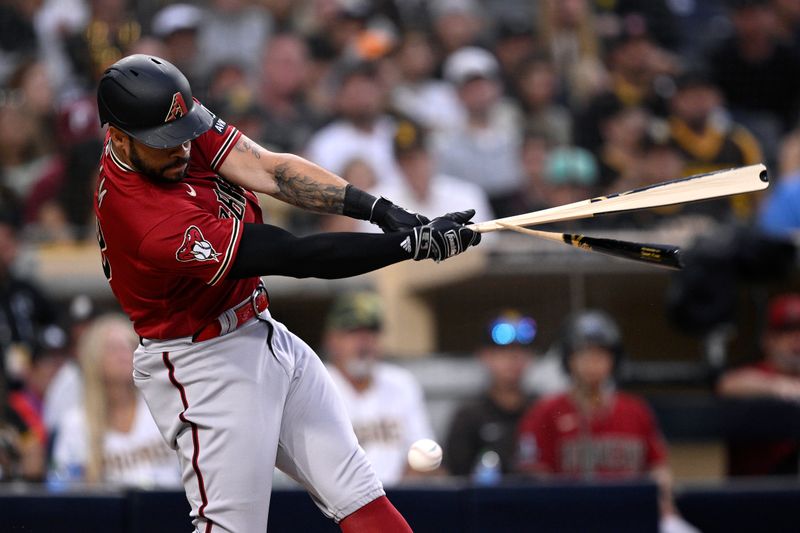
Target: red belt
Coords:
[[231, 319]]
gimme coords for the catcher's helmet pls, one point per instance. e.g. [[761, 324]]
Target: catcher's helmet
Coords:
[[591, 328], [150, 99]]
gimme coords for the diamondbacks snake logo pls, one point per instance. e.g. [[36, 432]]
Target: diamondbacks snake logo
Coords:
[[195, 247]]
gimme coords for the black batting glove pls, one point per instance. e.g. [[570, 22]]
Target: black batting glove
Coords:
[[391, 218], [443, 237]]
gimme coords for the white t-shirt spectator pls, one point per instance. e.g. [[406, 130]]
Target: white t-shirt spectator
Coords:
[[339, 143], [387, 417], [138, 458], [432, 103]]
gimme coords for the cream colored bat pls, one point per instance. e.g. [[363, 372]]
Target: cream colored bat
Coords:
[[689, 189]]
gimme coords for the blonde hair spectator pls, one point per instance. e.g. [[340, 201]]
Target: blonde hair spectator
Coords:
[[112, 437]]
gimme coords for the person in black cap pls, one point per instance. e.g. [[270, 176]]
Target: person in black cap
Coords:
[[708, 143], [483, 431], [183, 247], [24, 309]]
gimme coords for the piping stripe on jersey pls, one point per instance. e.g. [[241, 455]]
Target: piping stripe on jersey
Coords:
[[223, 150], [223, 268], [195, 440], [117, 160]]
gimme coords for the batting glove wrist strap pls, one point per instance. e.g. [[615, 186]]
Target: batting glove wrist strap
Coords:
[[391, 218], [357, 203]]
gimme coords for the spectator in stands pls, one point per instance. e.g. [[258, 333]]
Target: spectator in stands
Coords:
[[750, 69], [779, 214], [25, 404], [536, 146], [594, 431], [177, 25], [708, 140], [362, 130], [488, 424], [234, 31], [111, 29], [334, 27], [24, 310], [289, 119], [457, 23], [787, 22], [514, 42], [638, 72], [537, 87], [568, 174], [26, 116], [418, 95], [112, 438], [17, 35], [777, 377], [423, 190], [385, 402], [484, 150], [622, 130], [657, 15], [56, 21], [567, 31], [65, 390], [659, 160]]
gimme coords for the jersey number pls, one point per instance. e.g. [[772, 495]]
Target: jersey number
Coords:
[[103, 247]]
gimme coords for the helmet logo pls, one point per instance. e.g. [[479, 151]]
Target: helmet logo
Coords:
[[195, 247], [177, 109]]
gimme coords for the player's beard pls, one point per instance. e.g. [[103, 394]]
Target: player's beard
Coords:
[[360, 369], [157, 174]]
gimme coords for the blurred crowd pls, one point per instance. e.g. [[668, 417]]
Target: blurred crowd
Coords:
[[519, 104], [504, 106]]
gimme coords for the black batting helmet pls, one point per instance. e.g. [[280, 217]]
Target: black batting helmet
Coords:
[[150, 99], [591, 328]]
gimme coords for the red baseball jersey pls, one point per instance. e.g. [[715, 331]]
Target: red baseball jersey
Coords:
[[621, 440], [763, 456], [167, 247]]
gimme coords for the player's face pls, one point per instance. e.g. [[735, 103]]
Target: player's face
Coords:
[[591, 367], [506, 364], [355, 351], [783, 348], [168, 164]]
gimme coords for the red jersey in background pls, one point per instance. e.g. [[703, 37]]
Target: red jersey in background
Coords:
[[618, 441]]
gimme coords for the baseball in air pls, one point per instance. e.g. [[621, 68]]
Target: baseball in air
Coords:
[[425, 455]]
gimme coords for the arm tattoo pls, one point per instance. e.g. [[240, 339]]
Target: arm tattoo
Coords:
[[245, 146], [307, 192]]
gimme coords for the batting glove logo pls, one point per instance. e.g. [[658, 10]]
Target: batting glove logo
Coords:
[[195, 247]]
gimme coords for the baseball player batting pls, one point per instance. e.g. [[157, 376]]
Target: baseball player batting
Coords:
[[183, 245]]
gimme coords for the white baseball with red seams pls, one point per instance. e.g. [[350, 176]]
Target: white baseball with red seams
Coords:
[[425, 455]]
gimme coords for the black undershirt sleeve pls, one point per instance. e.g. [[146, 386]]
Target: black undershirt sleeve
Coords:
[[268, 250]]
